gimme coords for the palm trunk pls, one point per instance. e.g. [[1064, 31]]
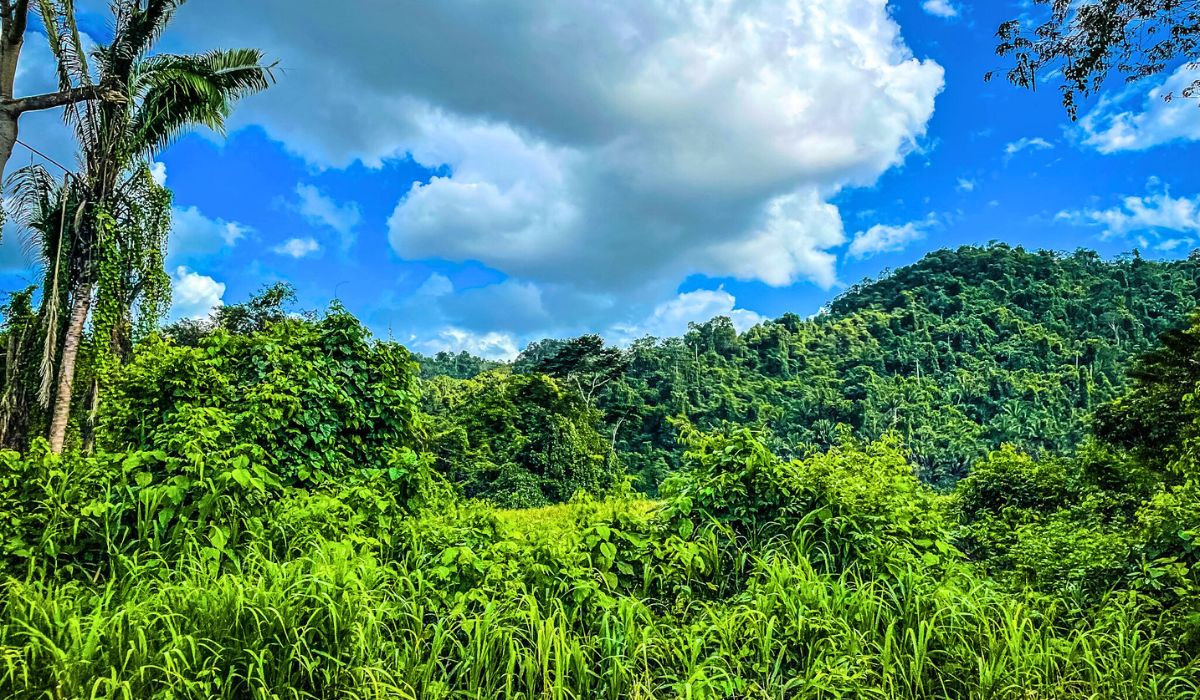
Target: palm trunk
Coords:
[[81, 301]]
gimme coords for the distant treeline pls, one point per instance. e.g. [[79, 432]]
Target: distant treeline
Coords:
[[959, 353]]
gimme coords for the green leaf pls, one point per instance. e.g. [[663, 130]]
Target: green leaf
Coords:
[[217, 537]]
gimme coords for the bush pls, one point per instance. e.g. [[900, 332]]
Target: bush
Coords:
[[857, 504], [312, 402]]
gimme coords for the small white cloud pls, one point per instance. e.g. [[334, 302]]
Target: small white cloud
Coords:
[[492, 346], [671, 318], [1172, 244], [1108, 129], [966, 185], [1036, 143], [158, 171], [1152, 221], [881, 238], [298, 247], [940, 8], [194, 295], [321, 209]]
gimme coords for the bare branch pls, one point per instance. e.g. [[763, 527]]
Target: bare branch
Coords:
[[62, 98]]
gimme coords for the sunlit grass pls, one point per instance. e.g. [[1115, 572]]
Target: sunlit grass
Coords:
[[561, 519]]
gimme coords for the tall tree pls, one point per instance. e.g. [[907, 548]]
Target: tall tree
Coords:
[[14, 22], [167, 95], [1089, 40], [585, 364]]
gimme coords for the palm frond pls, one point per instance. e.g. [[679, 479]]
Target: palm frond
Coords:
[[137, 28], [178, 92]]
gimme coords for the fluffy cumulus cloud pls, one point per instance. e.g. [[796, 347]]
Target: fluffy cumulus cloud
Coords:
[[1109, 128], [492, 345], [1156, 220], [158, 171], [598, 153], [194, 295]]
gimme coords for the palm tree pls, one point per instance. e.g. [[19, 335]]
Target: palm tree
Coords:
[[132, 288], [107, 207]]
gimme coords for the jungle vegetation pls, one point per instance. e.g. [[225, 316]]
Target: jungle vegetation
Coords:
[[974, 477]]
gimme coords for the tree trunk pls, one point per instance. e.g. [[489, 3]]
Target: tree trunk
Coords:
[[12, 38], [8, 137], [81, 300]]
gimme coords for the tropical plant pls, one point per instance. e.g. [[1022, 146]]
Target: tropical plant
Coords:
[[98, 243]]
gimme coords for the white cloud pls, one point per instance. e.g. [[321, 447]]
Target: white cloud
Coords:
[[1109, 129], [1036, 143], [158, 171], [195, 236], [298, 247], [887, 239], [793, 240], [966, 184], [940, 8], [1155, 220], [671, 318], [321, 209], [491, 345], [1172, 244], [194, 295], [599, 151]]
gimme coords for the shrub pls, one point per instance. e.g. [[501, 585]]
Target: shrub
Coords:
[[309, 401]]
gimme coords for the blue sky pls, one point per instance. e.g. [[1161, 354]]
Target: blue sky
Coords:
[[468, 175]]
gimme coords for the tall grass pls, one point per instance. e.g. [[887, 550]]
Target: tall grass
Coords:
[[341, 622]]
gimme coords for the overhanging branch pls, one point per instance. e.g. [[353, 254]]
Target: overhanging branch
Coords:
[[61, 98]]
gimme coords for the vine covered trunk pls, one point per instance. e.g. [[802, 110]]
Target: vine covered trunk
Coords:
[[81, 299]]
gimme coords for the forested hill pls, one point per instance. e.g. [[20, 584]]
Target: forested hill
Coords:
[[961, 352]]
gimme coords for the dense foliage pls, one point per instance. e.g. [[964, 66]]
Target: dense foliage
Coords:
[[519, 440], [756, 577], [311, 401], [960, 353], [279, 506]]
